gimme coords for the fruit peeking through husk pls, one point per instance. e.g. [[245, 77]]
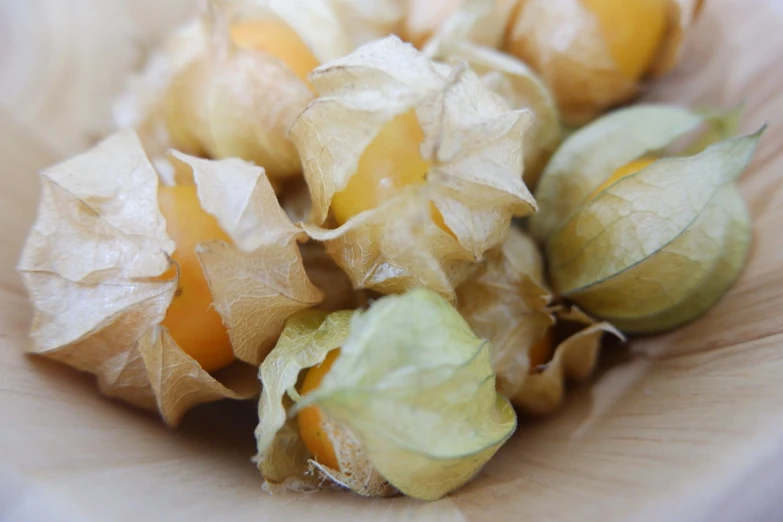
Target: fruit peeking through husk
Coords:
[[411, 354], [643, 241], [97, 265], [413, 167], [236, 87], [594, 53], [506, 302]]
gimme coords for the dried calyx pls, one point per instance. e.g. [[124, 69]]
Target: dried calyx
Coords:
[[413, 167], [107, 300]]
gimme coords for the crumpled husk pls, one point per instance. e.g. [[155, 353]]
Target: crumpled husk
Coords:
[[424, 19], [260, 280], [411, 399], [506, 302], [472, 141], [574, 360], [508, 77], [564, 42], [656, 248], [94, 266], [218, 99]]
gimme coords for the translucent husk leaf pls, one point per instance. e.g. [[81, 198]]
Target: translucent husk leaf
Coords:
[[724, 271], [417, 388], [593, 153], [472, 141], [213, 98], [397, 247], [306, 340], [260, 280], [574, 360], [505, 302], [92, 265], [645, 244], [510, 78]]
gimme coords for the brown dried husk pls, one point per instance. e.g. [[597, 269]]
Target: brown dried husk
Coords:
[[472, 141], [94, 261], [563, 41]]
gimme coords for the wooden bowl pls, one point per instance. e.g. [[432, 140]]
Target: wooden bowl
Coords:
[[688, 426]]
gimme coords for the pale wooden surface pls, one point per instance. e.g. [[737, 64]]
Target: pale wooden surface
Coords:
[[689, 428]]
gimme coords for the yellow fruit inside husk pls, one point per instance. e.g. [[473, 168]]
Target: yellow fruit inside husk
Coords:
[[541, 352], [276, 39], [311, 420], [191, 319], [390, 162], [624, 171], [634, 31]]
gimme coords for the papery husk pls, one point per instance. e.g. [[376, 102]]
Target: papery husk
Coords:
[[574, 360], [563, 41], [284, 461], [397, 247], [593, 153], [417, 388], [508, 77], [472, 141], [505, 302], [225, 101], [653, 243], [424, 19], [260, 280], [92, 265]]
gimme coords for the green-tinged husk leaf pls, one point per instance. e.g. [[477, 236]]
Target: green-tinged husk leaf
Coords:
[[306, 340], [641, 247], [593, 153], [417, 387], [410, 401]]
